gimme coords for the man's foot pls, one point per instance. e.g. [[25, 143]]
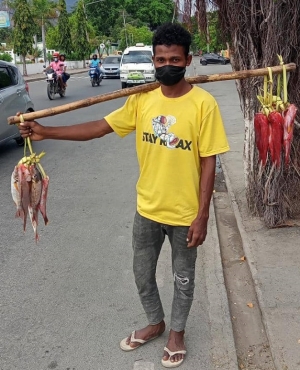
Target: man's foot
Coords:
[[176, 346], [142, 336]]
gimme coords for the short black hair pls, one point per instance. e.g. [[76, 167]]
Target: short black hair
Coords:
[[172, 34]]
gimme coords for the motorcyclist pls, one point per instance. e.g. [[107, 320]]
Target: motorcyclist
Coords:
[[58, 67], [95, 63]]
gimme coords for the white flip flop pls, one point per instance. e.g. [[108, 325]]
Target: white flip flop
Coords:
[[127, 347], [168, 363]]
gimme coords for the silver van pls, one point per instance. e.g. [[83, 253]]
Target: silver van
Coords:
[[14, 97]]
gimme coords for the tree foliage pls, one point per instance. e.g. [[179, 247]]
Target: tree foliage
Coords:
[[215, 42], [6, 57], [108, 18], [81, 43], [24, 29], [43, 11], [6, 35], [52, 38], [64, 30], [131, 35]]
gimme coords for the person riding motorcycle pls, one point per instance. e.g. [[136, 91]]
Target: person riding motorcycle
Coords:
[[65, 76], [95, 63], [58, 67]]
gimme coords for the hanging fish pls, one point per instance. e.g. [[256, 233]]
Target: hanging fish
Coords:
[[261, 128], [275, 136], [42, 205], [289, 116], [15, 192]]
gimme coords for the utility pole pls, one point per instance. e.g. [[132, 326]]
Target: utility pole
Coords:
[[125, 28], [207, 36]]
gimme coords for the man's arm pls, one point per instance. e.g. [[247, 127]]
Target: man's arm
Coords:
[[81, 132], [198, 229]]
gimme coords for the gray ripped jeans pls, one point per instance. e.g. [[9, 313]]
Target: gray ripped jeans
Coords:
[[148, 238]]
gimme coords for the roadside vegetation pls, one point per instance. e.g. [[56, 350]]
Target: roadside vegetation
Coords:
[[80, 32]]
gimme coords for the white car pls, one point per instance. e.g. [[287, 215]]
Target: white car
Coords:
[[136, 66], [14, 97]]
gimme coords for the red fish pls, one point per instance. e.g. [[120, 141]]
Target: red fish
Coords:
[[36, 191], [289, 116], [261, 128], [25, 189], [42, 205], [275, 136]]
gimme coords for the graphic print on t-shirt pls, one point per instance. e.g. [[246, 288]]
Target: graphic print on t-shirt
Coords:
[[161, 126]]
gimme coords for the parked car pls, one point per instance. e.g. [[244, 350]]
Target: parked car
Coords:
[[14, 97], [212, 58], [111, 66]]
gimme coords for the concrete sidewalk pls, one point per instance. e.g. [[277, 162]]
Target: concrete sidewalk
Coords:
[[273, 255]]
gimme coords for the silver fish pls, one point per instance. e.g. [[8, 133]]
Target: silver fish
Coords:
[[15, 192]]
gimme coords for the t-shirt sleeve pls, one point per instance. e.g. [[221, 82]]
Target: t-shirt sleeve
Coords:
[[123, 120], [212, 137]]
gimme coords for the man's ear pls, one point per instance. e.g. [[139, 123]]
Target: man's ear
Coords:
[[188, 60]]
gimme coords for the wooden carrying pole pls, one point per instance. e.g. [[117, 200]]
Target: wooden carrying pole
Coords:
[[145, 88]]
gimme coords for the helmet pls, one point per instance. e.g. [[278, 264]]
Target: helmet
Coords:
[[56, 54]]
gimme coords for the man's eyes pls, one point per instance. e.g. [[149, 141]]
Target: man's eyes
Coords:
[[163, 60]]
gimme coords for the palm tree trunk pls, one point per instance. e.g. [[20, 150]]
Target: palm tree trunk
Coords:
[[35, 45], [24, 65], [44, 41]]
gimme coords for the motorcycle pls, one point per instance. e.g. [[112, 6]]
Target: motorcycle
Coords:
[[95, 77], [53, 85]]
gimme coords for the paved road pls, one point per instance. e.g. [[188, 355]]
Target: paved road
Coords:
[[68, 301]]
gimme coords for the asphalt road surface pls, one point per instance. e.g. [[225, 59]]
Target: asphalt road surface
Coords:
[[68, 300]]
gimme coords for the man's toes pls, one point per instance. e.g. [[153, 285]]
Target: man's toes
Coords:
[[128, 342], [165, 356], [176, 358]]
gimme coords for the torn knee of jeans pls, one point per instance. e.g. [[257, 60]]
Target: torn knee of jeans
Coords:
[[181, 280]]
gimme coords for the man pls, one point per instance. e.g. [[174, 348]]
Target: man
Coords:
[[95, 63], [57, 67], [179, 131]]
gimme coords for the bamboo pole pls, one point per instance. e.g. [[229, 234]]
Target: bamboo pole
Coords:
[[237, 75]]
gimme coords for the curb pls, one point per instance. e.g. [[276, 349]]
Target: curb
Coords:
[[223, 351], [28, 79], [248, 253]]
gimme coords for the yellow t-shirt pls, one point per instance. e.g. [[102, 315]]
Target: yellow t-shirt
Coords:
[[171, 136]]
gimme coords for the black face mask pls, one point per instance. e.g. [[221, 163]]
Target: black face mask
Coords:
[[169, 75]]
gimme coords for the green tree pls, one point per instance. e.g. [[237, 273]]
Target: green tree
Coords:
[[6, 57], [43, 11], [216, 41], [151, 12], [24, 29], [131, 35], [52, 38], [6, 35], [64, 30], [103, 15], [81, 42]]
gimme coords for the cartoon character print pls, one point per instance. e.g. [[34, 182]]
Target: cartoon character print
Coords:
[[161, 125]]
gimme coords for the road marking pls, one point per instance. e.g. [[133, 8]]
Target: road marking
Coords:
[[79, 78]]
